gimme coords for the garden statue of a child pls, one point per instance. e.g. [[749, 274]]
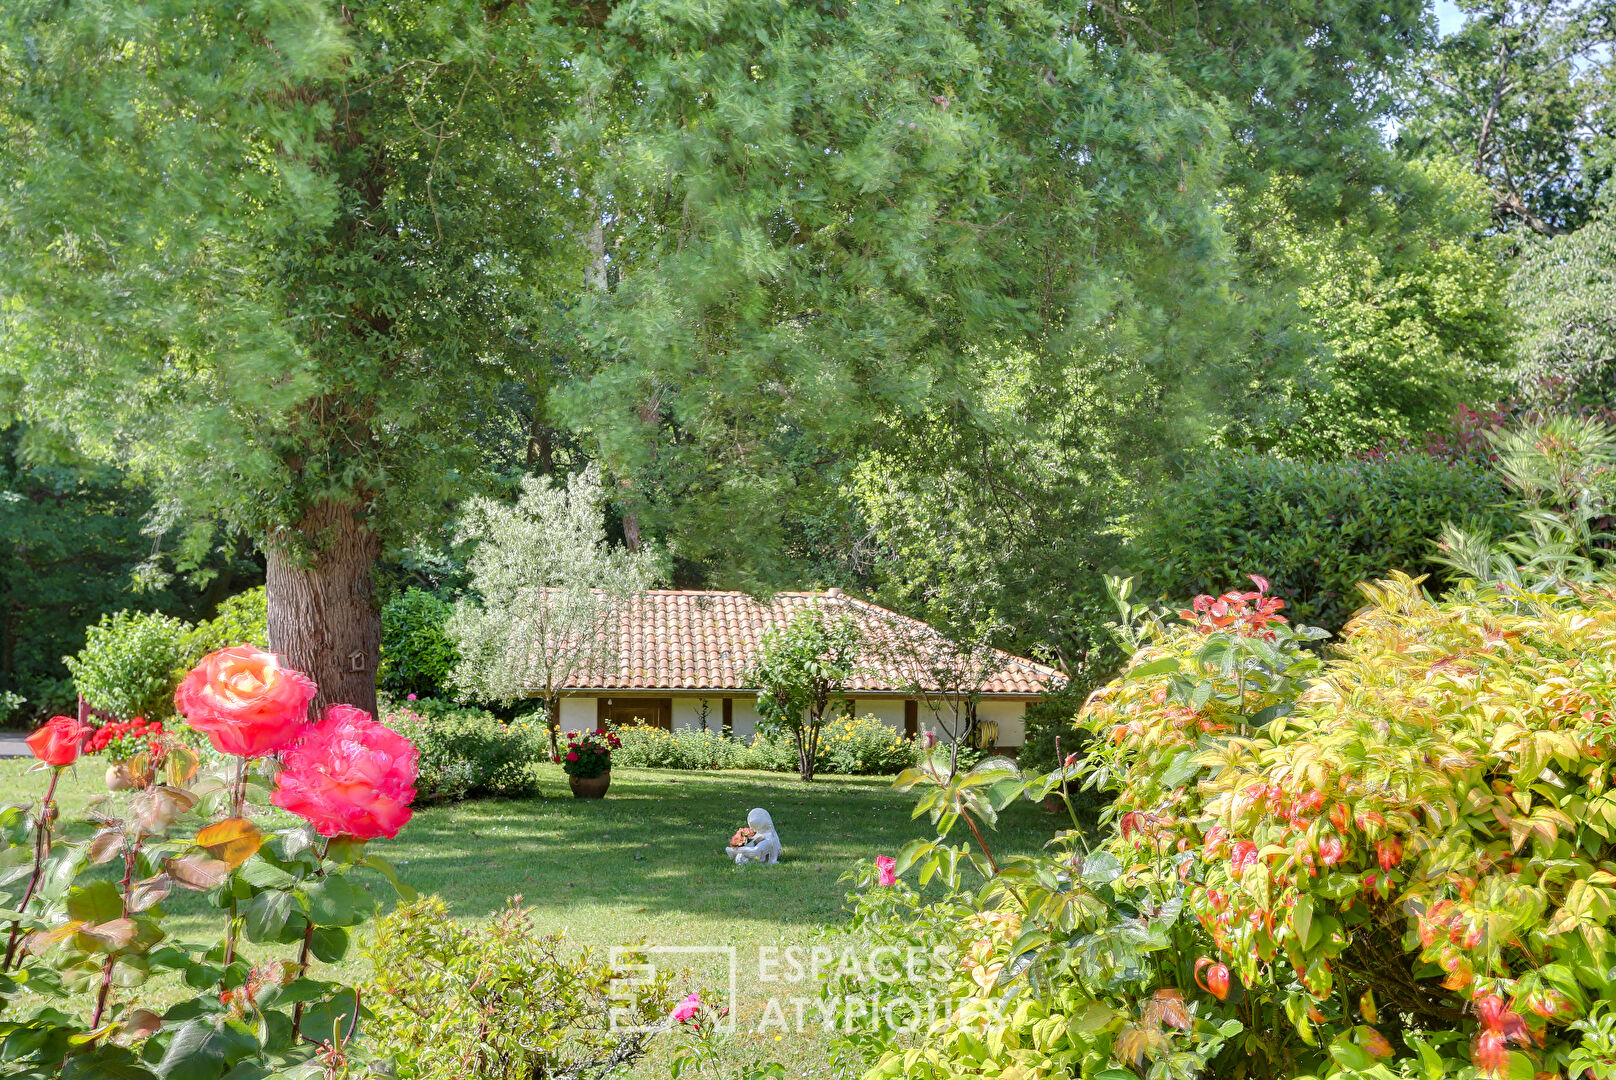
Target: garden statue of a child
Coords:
[[764, 847]]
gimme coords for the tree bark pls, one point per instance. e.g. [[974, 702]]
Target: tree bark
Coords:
[[323, 618]]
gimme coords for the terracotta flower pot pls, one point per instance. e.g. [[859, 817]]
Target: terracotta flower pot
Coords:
[[118, 778], [590, 787]]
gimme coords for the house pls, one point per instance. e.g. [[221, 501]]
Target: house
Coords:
[[678, 659]]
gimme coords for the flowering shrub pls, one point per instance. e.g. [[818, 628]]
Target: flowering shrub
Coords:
[[123, 739], [588, 753], [646, 747], [1396, 863], [854, 746], [89, 929]]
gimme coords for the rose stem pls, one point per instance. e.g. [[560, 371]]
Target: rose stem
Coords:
[[106, 972], [47, 814], [303, 953], [237, 802]]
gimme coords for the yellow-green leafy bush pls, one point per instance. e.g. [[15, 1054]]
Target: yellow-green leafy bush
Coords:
[[1392, 861], [499, 1000]]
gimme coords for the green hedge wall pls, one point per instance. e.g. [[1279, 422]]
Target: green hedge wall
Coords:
[[1314, 529]]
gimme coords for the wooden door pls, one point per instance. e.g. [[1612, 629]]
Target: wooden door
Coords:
[[656, 712]]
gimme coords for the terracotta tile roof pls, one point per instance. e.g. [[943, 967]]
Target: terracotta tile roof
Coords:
[[669, 639]]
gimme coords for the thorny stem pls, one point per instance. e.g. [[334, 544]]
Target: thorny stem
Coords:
[[106, 970], [42, 844], [303, 953], [238, 802]]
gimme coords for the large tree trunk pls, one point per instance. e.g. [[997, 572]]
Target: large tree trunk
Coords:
[[323, 618]]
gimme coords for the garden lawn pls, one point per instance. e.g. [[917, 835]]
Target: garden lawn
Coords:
[[647, 863]]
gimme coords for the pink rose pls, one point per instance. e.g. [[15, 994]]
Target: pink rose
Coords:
[[409, 697], [58, 741], [886, 870], [349, 776], [244, 701], [687, 1008]]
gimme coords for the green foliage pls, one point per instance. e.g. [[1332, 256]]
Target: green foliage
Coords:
[[467, 752], [646, 747], [800, 672], [130, 664], [1316, 529], [879, 217], [498, 1000], [1564, 469], [365, 310], [849, 746], [1563, 291], [75, 550], [1403, 303], [864, 746], [417, 653], [242, 619], [1521, 93]]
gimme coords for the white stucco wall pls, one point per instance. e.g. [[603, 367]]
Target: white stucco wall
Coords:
[[887, 710], [578, 713], [1009, 715]]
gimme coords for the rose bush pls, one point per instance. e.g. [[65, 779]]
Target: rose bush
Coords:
[[90, 929]]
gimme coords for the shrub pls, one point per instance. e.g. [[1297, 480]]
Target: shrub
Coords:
[[417, 654], [864, 746], [852, 746], [1396, 863], [130, 663], [498, 1000], [646, 747], [1316, 528], [469, 752], [242, 619]]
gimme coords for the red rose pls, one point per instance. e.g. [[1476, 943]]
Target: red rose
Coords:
[[572, 755], [349, 776], [245, 701], [58, 741]]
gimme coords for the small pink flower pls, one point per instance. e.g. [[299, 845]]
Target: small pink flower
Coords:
[[409, 697], [886, 870], [687, 1008]]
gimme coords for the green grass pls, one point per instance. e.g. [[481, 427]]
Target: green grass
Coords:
[[646, 863]]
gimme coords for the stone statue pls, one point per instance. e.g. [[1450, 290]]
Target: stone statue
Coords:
[[764, 847]]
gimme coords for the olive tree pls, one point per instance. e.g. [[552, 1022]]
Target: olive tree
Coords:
[[546, 588]]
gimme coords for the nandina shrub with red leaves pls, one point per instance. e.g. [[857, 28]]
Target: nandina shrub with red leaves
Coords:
[[1408, 852]]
